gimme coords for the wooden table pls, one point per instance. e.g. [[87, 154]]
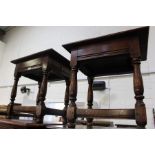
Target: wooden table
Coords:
[[42, 67], [113, 54]]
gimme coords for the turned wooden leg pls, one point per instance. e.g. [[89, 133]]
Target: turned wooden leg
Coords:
[[13, 95], [72, 97], [42, 93], [140, 110], [37, 99], [66, 101], [90, 99]]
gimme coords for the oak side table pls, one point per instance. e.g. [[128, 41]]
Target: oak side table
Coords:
[[42, 67], [113, 54]]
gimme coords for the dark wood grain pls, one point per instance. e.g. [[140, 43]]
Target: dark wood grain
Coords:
[[43, 67], [113, 54], [106, 113], [66, 101], [140, 109], [90, 98]]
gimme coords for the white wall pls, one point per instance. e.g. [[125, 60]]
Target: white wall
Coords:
[[22, 41], [2, 45]]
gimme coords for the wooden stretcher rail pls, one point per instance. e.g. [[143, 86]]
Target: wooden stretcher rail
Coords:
[[3, 108], [87, 113], [106, 113], [30, 110], [126, 126], [56, 112], [18, 110], [4, 113], [25, 109], [96, 123]]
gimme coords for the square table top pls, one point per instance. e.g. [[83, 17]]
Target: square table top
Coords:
[[109, 54], [48, 52], [31, 66]]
